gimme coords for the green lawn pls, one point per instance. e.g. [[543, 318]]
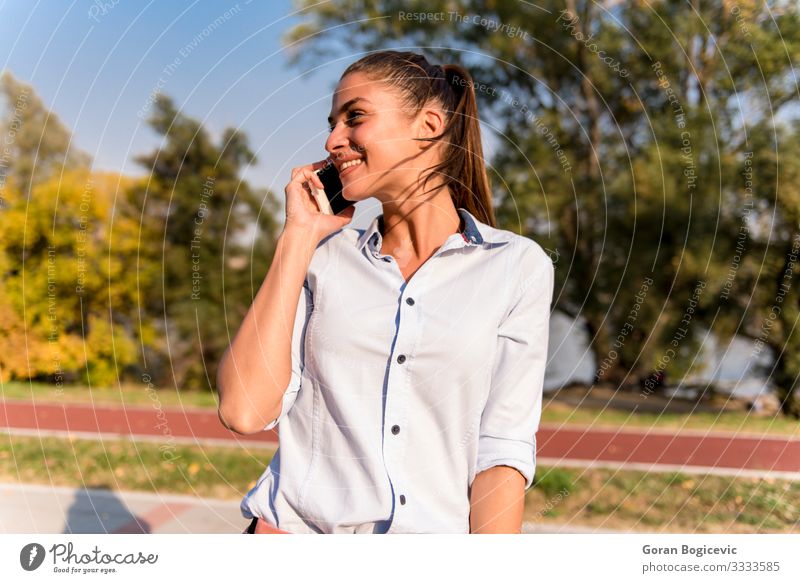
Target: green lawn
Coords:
[[217, 472], [663, 502], [668, 502], [127, 394], [730, 421]]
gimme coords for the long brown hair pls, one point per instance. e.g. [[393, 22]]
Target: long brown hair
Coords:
[[463, 168]]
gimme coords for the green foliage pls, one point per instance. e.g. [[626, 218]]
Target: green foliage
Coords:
[[68, 301], [36, 145], [662, 176], [198, 214], [106, 278], [625, 165]]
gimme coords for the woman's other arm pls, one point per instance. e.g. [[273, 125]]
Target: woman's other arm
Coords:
[[497, 501], [507, 442]]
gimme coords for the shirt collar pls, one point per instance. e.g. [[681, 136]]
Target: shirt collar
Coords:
[[475, 232]]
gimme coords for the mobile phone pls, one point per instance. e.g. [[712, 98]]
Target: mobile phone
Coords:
[[331, 200]]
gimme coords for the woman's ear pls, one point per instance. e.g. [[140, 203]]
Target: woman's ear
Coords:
[[430, 123]]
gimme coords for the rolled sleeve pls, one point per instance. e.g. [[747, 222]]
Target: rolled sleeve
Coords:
[[513, 409], [305, 306]]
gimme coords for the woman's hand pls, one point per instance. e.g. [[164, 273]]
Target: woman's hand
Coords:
[[303, 212]]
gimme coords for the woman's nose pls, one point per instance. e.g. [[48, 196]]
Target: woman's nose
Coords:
[[337, 138]]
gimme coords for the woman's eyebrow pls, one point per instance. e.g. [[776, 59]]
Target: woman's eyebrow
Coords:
[[348, 104]]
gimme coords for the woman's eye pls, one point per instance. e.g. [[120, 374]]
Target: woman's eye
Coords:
[[351, 116], [354, 115]]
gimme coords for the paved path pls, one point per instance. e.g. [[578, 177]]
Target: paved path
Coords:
[[54, 509], [651, 450], [35, 509]]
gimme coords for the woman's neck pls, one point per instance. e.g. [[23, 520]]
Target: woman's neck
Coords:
[[420, 230]]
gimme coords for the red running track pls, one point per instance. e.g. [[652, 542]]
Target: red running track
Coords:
[[144, 421], [770, 452], [729, 451]]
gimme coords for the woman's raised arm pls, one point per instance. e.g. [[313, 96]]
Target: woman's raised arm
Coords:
[[255, 371]]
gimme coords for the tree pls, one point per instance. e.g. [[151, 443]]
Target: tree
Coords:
[[67, 297], [623, 134], [34, 144], [196, 216], [764, 283]]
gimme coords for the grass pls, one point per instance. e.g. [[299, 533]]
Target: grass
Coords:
[[124, 394], [604, 499], [662, 502], [216, 472], [554, 412]]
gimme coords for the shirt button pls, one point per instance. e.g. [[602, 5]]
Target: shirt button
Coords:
[[402, 499], [401, 359], [395, 429], [410, 301]]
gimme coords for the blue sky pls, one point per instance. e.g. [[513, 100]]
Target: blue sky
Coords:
[[97, 64]]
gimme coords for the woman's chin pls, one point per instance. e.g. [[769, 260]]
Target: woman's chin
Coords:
[[353, 194]]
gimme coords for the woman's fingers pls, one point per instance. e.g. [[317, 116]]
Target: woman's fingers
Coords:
[[307, 173], [309, 209], [303, 203], [304, 179], [310, 176]]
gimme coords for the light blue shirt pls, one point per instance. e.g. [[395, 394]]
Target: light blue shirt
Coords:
[[401, 392]]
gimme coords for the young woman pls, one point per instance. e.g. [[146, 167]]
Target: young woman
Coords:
[[404, 362]]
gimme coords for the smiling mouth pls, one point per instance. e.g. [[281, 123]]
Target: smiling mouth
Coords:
[[351, 163], [347, 167]]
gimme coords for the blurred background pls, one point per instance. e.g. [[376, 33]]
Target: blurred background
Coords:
[[652, 148]]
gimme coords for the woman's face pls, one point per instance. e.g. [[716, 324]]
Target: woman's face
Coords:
[[370, 125]]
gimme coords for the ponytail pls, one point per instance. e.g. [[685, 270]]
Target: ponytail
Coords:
[[463, 167]]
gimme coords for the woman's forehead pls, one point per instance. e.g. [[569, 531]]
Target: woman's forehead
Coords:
[[358, 90], [356, 85]]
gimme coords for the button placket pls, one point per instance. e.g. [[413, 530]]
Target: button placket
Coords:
[[396, 430]]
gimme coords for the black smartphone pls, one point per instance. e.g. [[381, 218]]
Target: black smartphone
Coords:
[[329, 176]]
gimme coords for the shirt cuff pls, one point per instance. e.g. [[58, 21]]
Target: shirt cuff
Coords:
[[497, 451]]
